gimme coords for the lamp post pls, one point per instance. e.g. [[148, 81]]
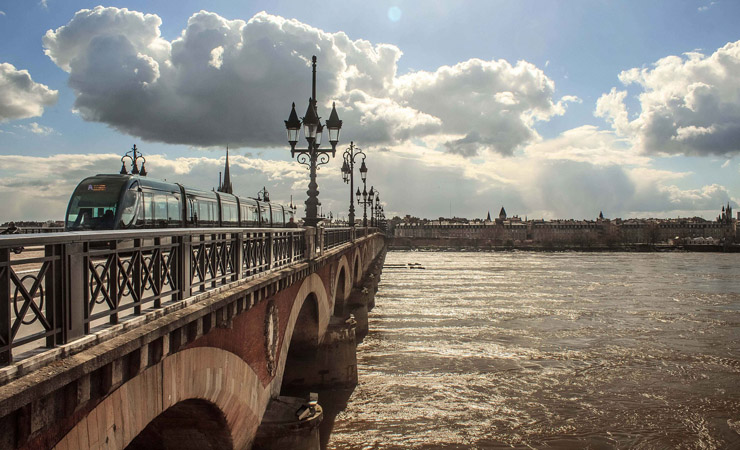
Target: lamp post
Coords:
[[134, 158], [312, 156], [376, 209], [264, 196], [348, 174], [367, 199]]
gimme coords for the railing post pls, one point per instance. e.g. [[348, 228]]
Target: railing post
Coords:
[[270, 242], [184, 269], [136, 275], [320, 234], [237, 246], [6, 354], [157, 269], [310, 243], [113, 281], [54, 293], [75, 298]]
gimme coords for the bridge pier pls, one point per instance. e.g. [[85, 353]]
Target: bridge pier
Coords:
[[332, 365], [289, 423], [362, 298]]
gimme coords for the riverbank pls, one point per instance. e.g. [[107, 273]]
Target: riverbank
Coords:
[[475, 245]]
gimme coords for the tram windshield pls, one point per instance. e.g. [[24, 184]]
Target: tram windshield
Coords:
[[93, 204]]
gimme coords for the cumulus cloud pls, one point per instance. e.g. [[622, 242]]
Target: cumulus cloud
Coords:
[[232, 82], [20, 96], [689, 104], [35, 128]]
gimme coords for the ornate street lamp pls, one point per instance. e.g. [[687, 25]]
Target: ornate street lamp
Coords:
[[134, 159], [312, 156], [348, 174], [367, 199], [264, 196]]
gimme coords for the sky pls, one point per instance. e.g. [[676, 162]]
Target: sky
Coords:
[[557, 109]]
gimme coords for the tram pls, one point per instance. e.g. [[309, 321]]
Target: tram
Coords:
[[117, 202]]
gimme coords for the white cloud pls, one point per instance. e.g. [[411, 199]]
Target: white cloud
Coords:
[[20, 96], [2, 13], [689, 105], [35, 128], [706, 7], [232, 82]]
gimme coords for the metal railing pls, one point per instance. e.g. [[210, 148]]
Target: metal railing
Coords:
[[336, 236], [63, 286]]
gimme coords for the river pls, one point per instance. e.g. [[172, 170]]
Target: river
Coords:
[[482, 350]]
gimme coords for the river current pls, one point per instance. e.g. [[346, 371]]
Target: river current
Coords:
[[549, 350]]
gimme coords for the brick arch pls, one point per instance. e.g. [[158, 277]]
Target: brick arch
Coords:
[[365, 259], [206, 373], [356, 267], [312, 287], [348, 282]]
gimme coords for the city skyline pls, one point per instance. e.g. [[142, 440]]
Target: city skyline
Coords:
[[559, 111]]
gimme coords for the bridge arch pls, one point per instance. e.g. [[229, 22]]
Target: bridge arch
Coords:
[[356, 268], [300, 320], [189, 424], [209, 380], [342, 286]]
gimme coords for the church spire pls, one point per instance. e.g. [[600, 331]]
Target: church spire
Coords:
[[226, 185]]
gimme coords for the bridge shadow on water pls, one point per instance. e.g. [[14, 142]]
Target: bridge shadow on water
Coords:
[[332, 402]]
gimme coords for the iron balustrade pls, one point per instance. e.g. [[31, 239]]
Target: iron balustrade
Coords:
[[336, 236], [66, 285]]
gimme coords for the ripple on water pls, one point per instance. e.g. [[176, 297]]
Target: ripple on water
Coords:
[[536, 350]]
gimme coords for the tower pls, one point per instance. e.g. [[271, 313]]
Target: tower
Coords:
[[226, 186], [502, 214]]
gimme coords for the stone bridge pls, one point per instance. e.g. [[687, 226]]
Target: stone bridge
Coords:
[[175, 338]]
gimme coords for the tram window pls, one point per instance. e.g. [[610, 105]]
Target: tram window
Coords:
[[130, 205], [254, 216], [174, 214], [229, 213], [264, 216], [207, 212], [277, 216], [93, 204], [250, 218], [160, 209], [146, 214]]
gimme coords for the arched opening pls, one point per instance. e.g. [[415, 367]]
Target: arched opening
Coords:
[[303, 346], [340, 295], [188, 425], [358, 273]]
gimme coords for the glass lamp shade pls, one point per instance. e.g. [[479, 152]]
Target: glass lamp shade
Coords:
[[123, 169], [363, 171], [309, 130], [377, 200], [372, 193], [310, 121], [358, 195], [334, 125], [293, 125], [293, 135], [319, 134]]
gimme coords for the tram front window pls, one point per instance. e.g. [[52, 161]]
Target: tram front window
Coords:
[[93, 204]]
